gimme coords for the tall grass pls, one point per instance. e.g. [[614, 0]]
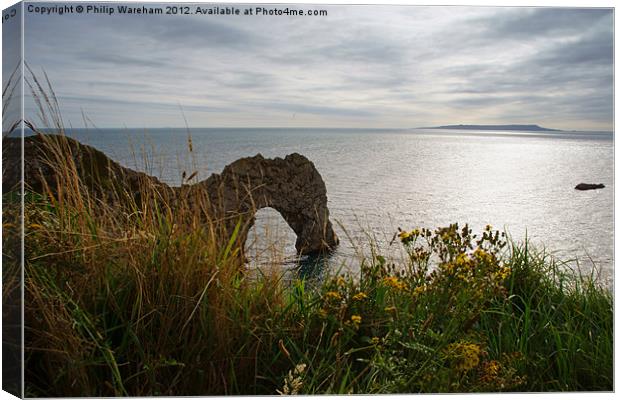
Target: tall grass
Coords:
[[559, 319], [11, 253], [150, 303], [148, 295], [110, 283]]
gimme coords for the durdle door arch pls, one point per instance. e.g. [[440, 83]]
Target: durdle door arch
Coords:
[[290, 185]]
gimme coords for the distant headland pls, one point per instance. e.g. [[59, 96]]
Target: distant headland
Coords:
[[497, 127]]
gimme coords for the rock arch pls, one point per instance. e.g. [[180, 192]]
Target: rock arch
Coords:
[[291, 185]]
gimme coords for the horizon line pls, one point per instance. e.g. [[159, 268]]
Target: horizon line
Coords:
[[309, 127]]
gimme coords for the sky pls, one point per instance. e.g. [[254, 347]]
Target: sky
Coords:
[[359, 66]]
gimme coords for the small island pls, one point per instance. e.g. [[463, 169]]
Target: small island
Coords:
[[531, 127]]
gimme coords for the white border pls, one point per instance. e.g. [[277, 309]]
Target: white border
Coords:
[[518, 3]]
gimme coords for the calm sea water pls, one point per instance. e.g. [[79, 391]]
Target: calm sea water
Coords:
[[379, 180]]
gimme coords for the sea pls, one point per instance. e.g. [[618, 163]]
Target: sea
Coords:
[[380, 180]]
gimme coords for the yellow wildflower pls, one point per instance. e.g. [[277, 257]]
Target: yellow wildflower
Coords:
[[504, 273], [360, 296], [333, 296], [404, 235], [356, 319], [461, 259], [464, 276], [374, 340], [491, 370], [419, 290], [466, 355], [394, 282], [493, 367], [448, 268], [483, 256], [407, 237]]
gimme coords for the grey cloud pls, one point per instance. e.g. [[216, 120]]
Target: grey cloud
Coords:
[[583, 62], [366, 50], [94, 101], [533, 22], [248, 80], [355, 64], [11, 58], [11, 47], [508, 26], [591, 49], [484, 101], [313, 109], [118, 85], [203, 32], [353, 47], [116, 59]]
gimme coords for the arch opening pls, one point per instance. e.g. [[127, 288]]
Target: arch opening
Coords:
[[270, 239]]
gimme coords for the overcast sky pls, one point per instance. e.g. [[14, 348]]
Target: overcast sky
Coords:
[[366, 66]]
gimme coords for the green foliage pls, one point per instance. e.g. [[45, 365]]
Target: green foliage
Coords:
[[561, 322]]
